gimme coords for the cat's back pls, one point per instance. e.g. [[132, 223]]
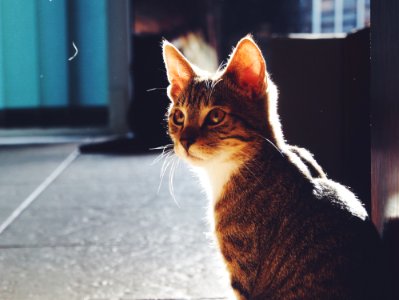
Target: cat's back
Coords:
[[311, 237], [325, 247]]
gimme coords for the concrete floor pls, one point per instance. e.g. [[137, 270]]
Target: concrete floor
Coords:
[[101, 230]]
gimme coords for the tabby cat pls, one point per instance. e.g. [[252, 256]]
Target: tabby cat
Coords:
[[284, 229]]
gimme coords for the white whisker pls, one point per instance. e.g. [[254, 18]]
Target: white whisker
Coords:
[[222, 65], [171, 174], [214, 83], [162, 147], [165, 165], [166, 162], [271, 143], [252, 173], [162, 155], [155, 89], [159, 157]]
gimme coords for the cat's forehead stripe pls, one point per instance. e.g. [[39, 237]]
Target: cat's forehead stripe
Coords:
[[197, 94]]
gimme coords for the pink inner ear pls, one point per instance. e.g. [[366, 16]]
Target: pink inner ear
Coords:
[[250, 75], [178, 69], [176, 88], [247, 66], [179, 81]]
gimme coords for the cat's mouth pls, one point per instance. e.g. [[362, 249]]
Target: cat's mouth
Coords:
[[193, 157]]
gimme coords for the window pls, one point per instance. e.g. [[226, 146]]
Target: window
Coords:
[[334, 16]]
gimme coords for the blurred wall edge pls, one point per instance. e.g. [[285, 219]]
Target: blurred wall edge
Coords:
[[385, 127], [119, 60]]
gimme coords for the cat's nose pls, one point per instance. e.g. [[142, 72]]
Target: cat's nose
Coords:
[[188, 137], [187, 142]]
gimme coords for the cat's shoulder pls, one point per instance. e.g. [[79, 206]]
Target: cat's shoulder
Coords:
[[340, 196], [306, 161]]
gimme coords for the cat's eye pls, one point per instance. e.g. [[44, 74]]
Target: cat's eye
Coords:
[[178, 117], [215, 116]]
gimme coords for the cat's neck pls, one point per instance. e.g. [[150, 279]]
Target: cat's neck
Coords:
[[214, 176]]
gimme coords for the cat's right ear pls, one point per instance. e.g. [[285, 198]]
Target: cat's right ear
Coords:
[[247, 67], [178, 69]]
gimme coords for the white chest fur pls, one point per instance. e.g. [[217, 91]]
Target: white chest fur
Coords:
[[214, 177]]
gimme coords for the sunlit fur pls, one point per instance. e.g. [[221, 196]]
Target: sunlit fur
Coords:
[[284, 229], [233, 140], [221, 149]]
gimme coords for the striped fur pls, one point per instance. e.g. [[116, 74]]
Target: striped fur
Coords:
[[285, 230]]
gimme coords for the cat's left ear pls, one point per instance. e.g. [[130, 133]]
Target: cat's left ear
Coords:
[[178, 69], [247, 67]]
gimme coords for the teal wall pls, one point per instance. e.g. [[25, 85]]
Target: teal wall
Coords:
[[35, 43], [20, 65], [2, 104], [90, 36], [52, 47]]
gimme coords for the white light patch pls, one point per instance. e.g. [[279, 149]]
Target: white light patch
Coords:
[[392, 207]]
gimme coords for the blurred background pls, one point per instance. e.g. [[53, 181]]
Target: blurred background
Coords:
[[83, 99]]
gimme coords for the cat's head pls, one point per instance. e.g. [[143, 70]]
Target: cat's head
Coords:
[[220, 116]]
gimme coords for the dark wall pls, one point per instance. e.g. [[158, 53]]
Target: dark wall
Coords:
[[307, 73], [262, 18], [324, 102], [146, 116], [385, 126]]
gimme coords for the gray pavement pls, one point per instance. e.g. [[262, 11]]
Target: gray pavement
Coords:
[[101, 230]]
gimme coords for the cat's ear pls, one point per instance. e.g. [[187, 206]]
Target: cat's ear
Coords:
[[178, 69], [246, 66]]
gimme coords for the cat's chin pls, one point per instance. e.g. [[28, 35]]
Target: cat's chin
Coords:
[[194, 157], [194, 160]]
